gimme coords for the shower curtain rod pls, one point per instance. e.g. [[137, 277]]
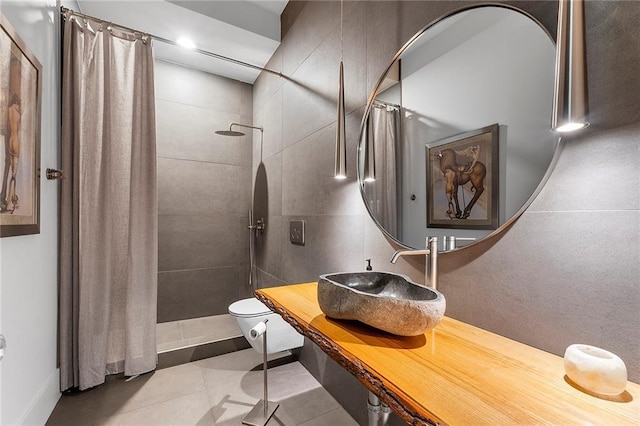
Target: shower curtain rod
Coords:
[[386, 104], [64, 10]]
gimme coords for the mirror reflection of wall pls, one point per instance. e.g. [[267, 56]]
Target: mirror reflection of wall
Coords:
[[475, 68]]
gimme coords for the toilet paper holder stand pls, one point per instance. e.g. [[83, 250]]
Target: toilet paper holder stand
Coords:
[[264, 409]]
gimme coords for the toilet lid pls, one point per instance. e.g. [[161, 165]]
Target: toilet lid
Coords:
[[248, 308]]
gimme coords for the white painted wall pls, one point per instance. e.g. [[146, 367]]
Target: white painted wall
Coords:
[[1, 332], [502, 74], [29, 379]]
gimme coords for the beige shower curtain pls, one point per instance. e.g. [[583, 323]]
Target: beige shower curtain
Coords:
[[108, 229], [384, 129]]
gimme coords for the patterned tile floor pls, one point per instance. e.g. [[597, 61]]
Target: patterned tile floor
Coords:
[[214, 391]]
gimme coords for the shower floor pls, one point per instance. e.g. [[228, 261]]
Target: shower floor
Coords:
[[196, 331]]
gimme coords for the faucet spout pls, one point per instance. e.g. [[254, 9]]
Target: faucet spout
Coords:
[[431, 260], [399, 253]]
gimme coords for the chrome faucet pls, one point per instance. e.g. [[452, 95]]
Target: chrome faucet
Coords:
[[431, 260]]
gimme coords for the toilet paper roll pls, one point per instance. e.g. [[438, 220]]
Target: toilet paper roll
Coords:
[[595, 369], [258, 330]]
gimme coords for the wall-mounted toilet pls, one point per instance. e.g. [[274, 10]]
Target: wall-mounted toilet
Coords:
[[280, 335]]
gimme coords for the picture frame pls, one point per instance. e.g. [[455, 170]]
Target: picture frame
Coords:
[[465, 165], [20, 125]]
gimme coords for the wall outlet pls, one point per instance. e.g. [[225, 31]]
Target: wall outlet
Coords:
[[296, 232]]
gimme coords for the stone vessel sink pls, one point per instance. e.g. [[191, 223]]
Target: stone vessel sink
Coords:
[[389, 302]]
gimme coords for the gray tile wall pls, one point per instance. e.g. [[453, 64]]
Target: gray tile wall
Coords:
[[566, 272], [204, 187]]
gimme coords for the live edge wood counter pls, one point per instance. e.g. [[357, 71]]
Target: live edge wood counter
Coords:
[[456, 374]]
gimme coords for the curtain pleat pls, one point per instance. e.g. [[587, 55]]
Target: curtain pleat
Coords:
[[382, 194], [108, 240]]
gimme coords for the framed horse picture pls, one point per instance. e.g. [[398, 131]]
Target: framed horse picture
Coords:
[[462, 180], [20, 107]]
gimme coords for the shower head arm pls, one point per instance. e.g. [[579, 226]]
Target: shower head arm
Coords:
[[244, 125]]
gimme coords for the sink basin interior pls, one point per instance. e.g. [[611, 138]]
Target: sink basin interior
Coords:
[[382, 284]]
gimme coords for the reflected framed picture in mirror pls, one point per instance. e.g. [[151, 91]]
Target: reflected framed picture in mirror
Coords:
[[462, 180]]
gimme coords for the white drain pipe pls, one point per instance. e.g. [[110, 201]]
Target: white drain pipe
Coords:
[[378, 412]]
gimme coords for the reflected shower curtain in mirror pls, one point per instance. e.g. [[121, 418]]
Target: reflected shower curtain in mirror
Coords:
[[108, 217], [384, 128]]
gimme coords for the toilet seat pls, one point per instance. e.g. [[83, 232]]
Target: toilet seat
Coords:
[[248, 308]]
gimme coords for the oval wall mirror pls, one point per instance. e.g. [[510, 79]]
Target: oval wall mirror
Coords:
[[456, 138]]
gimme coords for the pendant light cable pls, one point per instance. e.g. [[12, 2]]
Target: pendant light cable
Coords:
[[341, 144], [341, 32]]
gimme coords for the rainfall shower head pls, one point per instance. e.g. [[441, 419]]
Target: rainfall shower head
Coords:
[[229, 133], [232, 132]]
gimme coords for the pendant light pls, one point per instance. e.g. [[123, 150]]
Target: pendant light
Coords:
[[570, 91], [341, 137]]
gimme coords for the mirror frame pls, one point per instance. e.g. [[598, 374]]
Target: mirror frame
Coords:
[[502, 227]]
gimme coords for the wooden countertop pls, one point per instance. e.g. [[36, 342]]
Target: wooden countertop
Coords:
[[456, 374]]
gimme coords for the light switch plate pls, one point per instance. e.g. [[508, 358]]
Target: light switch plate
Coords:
[[296, 232]]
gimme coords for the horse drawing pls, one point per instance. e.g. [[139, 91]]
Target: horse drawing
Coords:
[[457, 175], [9, 201]]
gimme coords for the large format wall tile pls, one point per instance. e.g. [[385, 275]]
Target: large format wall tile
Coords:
[[332, 244], [269, 116], [355, 54], [197, 293], [269, 246], [188, 132], [244, 290], [267, 186], [314, 23], [194, 242], [204, 184], [310, 95], [381, 45], [192, 87], [267, 83], [306, 111], [592, 173], [613, 62], [246, 100], [194, 187], [379, 249], [266, 280], [579, 285], [308, 185]]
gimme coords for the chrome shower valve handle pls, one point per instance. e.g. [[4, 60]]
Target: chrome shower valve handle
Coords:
[[259, 226]]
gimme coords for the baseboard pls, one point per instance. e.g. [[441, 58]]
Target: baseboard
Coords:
[[44, 402]]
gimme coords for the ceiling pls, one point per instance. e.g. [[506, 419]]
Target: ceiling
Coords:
[[246, 30]]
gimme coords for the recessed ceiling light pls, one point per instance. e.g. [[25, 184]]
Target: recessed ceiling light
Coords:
[[185, 42]]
